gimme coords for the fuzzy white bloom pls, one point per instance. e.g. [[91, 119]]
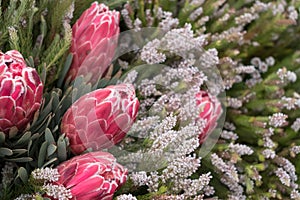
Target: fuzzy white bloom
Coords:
[[234, 102], [25, 197], [229, 169], [46, 174], [255, 61], [126, 197], [168, 22], [193, 187], [245, 18], [139, 178], [245, 69], [291, 76], [284, 74], [181, 41], [181, 167], [7, 173], [196, 13], [126, 17], [165, 125], [269, 153], [295, 194], [288, 102], [283, 176], [229, 135], [57, 191], [240, 149], [123, 64], [229, 126], [270, 61], [137, 24], [233, 34], [287, 166], [296, 125], [295, 149], [277, 120], [131, 77], [268, 142], [150, 53], [292, 12], [263, 67]]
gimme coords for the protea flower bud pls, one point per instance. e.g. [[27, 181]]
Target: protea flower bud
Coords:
[[21, 92], [101, 118], [94, 175], [210, 110], [95, 36]]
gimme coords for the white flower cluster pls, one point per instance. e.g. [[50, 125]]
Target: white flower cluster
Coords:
[[45, 174], [240, 149], [181, 167], [289, 102], [227, 168], [296, 125], [126, 197], [269, 153], [288, 167], [285, 75], [232, 34], [181, 41], [234, 102], [283, 176], [245, 18], [150, 54], [229, 135], [25, 197], [7, 173], [167, 21], [277, 120], [57, 191]]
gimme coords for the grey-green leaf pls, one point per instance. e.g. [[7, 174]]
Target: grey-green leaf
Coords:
[[61, 148], [48, 136], [50, 162], [24, 139], [51, 149], [2, 138], [5, 152], [22, 159], [19, 151], [22, 173], [42, 154]]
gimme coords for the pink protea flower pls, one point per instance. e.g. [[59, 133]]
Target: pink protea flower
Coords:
[[210, 110], [95, 36], [101, 118], [94, 175], [21, 92]]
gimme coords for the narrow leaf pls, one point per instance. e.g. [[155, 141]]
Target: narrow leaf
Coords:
[[42, 154]]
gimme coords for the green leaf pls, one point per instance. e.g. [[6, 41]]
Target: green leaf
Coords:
[[28, 147], [5, 152], [51, 149], [49, 137], [65, 70], [22, 159], [62, 148], [19, 151], [2, 138], [22, 173], [24, 139], [42, 154], [50, 162]]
